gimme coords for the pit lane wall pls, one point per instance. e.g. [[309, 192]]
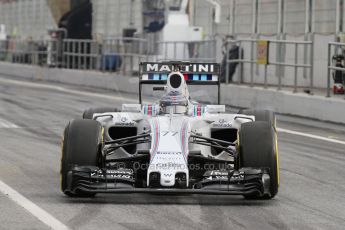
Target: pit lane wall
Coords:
[[298, 104]]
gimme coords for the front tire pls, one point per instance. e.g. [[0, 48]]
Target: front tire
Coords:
[[81, 145], [258, 149]]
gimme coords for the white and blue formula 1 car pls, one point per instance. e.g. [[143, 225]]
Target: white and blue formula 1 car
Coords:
[[172, 146]]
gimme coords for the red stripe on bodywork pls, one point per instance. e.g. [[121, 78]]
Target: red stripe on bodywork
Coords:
[[199, 110], [149, 110]]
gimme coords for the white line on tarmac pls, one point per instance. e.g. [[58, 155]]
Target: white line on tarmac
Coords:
[[38, 212], [310, 136], [78, 92], [6, 124], [62, 89]]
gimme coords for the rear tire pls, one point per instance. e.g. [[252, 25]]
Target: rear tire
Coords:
[[88, 114], [81, 145], [258, 149]]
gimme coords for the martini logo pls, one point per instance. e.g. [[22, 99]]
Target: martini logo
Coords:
[[183, 68]]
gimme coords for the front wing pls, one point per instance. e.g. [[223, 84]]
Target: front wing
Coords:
[[234, 182]]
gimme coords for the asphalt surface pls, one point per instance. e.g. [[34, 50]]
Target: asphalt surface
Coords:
[[311, 196]]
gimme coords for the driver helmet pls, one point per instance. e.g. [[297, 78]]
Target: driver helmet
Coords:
[[174, 102]]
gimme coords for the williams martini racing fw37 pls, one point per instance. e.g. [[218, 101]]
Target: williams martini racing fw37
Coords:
[[174, 145]]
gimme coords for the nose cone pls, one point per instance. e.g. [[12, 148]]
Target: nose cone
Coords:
[[167, 178]]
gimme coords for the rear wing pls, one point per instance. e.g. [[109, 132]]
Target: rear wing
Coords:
[[156, 73]]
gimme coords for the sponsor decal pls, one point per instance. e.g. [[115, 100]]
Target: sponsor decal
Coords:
[[119, 176], [120, 173], [168, 153], [98, 173], [124, 122], [226, 125], [219, 173], [223, 175], [183, 68], [168, 165], [222, 123]]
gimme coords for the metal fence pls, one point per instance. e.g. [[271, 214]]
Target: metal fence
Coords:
[[335, 48], [121, 55], [278, 60], [111, 55], [194, 51], [38, 52], [127, 52], [80, 54]]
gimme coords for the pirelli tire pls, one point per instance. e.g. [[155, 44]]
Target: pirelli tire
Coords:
[[81, 145], [88, 114], [258, 148]]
